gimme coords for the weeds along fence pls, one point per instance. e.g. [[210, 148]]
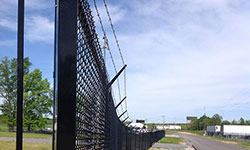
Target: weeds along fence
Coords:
[[85, 115]]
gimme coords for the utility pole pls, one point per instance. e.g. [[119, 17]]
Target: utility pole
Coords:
[[163, 117], [205, 120]]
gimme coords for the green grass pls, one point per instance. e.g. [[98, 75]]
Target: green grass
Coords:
[[11, 145], [171, 140], [4, 132], [26, 135], [244, 144], [197, 132]]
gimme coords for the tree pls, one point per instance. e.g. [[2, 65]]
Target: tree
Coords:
[[8, 86], [194, 125], [216, 119], [204, 121], [225, 122], [247, 122], [37, 95], [201, 123], [37, 100], [234, 122], [242, 121]]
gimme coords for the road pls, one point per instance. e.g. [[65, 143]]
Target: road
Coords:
[[31, 140], [170, 146], [203, 143]]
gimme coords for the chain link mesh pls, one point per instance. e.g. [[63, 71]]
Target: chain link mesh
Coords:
[[97, 124]]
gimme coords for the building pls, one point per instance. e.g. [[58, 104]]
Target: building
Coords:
[[168, 127]]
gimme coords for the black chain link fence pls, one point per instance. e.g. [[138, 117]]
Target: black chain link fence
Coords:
[[97, 125]]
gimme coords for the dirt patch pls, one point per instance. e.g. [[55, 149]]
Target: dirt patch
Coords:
[[156, 148], [187, 133], [230, 142], [171, 135]]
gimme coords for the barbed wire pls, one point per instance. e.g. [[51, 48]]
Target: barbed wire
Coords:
[[116, 40], [113, 30], [110, 53]]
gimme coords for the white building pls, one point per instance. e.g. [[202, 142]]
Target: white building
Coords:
[[168, 127]]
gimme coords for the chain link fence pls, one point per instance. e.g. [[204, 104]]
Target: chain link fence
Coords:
[[96, 125]]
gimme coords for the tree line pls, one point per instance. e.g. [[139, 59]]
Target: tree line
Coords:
[[37, 105], [203, 121]]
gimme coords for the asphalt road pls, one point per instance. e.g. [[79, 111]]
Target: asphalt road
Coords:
[[203, 143], [31, 140], [169, 146]]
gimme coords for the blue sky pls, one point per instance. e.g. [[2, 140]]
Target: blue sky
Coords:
[[185, 57]]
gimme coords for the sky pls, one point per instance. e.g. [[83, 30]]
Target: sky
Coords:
[[185, 57]]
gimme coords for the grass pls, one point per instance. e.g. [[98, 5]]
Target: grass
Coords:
[[244, 144], [171, 140], [197, 132], [11, 145], [26, 135], [4, 132]]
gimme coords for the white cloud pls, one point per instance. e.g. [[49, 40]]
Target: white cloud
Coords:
[[38, 4], [7, 43], [29, 4], [39, 28], [182, 55], [190, 54], [116, 12], [9, 24], [8, 17]]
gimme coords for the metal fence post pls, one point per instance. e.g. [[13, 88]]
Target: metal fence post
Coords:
[[19, 131], [65, 74], [140, 141], [135, 141]]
